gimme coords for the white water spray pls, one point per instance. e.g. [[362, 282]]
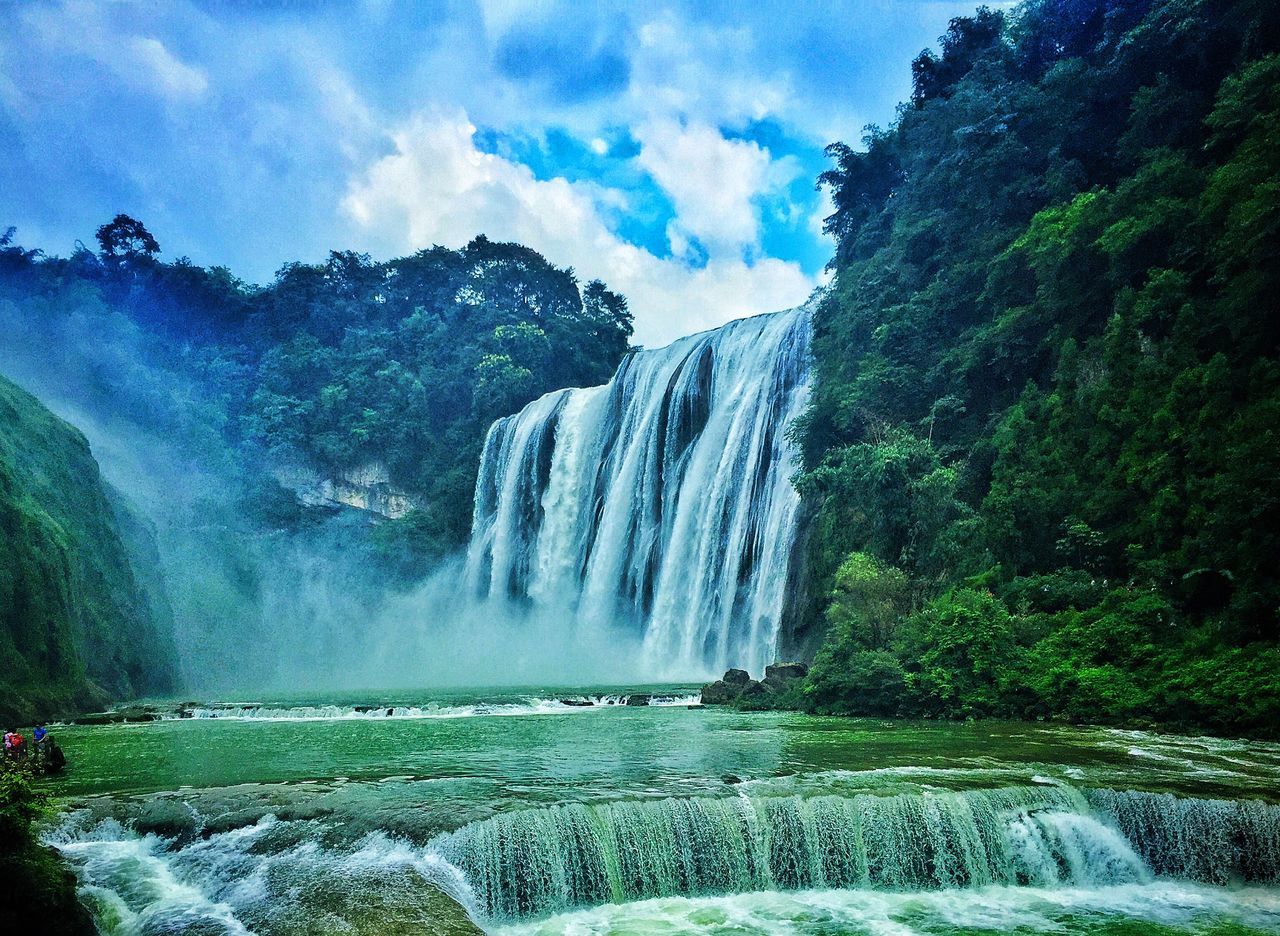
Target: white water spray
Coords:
[[660, 504]]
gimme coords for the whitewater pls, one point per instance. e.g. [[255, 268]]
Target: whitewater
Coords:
[[660, 505]]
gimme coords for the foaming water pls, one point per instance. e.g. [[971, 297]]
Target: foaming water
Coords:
[[660, 505], [273, 877], [325, 815], [1164, 906], [562, 705], [536, 862], [1044, 858]]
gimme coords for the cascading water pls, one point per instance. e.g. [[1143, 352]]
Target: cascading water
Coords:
[[537, 862], [661, 502]]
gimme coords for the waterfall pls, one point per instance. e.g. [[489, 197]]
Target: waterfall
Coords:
[[660, 503], [543, 861]]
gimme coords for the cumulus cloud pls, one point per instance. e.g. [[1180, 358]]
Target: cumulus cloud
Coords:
[[254, 134], [437, 187], [713, 182]]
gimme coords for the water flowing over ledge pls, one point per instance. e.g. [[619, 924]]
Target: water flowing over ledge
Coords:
[[559, 705], [661, 502], [538, 862]]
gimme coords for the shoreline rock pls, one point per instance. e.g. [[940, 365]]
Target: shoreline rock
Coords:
[[737, 684]]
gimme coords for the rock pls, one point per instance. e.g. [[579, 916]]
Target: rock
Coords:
[[133, 713], [755, 688], [579, 703], [719, 693], [731, 779], [779, 672], [98, 718], [638, 698], [737, 677]]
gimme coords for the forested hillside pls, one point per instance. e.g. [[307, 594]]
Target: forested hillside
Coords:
[[77, 625], [206, 398], [331, 367], [1043, 461]]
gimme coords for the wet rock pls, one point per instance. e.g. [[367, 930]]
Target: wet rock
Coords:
[[577, 703], [719, 693], [731, 779], [736, 677], [97, 718], [638, 698], [782, 672], [134, 713], [755, 688]]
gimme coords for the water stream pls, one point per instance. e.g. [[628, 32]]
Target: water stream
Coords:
[[518, 813]]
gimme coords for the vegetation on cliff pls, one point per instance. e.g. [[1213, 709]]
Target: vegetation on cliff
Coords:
[[332, 366], [76, 625], [1042, 459]]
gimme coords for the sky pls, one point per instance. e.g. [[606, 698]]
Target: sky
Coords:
[[670, 149]]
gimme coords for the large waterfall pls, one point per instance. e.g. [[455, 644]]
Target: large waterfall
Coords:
[[660, 503]]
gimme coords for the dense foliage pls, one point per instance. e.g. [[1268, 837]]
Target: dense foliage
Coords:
[[76, 625], [331, 368], [1042, 462], [37, 893]]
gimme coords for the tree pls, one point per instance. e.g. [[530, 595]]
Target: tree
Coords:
[[125, 238]]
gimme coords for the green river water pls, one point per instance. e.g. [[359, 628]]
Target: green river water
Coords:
[[513, 812]]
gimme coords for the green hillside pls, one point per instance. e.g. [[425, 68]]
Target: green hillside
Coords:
[[1043, 458], [76, 627]]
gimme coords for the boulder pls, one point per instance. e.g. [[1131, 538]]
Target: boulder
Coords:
[[577, 703], [780, 672], [638, 698], [737, 677], [719, 693], [755, 688]]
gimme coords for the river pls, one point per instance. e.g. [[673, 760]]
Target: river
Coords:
[[528, 811]]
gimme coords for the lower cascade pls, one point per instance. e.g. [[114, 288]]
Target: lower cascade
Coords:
[[662, 501], [544, 861]]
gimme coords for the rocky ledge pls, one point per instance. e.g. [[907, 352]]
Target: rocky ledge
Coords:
[[737, 684]]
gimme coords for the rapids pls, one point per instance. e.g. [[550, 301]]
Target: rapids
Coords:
[[523, 818]]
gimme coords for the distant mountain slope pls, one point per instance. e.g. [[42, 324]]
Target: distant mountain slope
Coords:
[[77, 626]]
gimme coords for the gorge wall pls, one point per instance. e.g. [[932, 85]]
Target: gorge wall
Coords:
[[81, 619]]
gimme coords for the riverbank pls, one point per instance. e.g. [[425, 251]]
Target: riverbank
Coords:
[[790, 687], [37, 888]]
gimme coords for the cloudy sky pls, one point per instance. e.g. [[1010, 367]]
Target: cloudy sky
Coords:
[[670, 150]]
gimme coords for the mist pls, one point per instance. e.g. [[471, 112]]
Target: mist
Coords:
[[289, 607]]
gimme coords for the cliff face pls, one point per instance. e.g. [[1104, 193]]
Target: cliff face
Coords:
[[79, 625], [367, 487]]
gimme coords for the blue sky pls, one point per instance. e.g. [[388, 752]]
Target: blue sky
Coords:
[[669, 149]]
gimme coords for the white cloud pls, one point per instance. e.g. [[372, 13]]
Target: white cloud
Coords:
[[170, 76], [143, 63], [703, 72], [714, 183], [438, 188]]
